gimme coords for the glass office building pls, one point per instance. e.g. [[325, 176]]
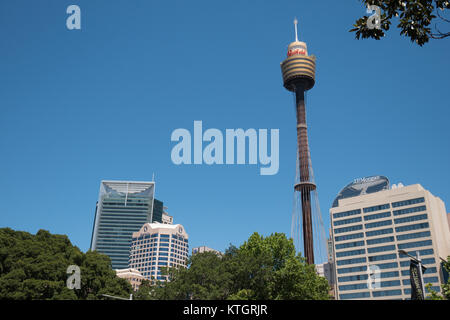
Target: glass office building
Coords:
[[158, 210], [370, 223], [123, 207]]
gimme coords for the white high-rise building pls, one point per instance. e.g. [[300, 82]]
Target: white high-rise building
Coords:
[[371, 222], [158, 245]]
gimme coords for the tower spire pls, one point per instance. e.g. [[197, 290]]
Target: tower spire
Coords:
[[295, 25]]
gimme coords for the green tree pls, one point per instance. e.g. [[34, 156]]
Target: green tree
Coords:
[[144, 291], [34, 267], [414, 19], [268, 268], [261, 268], [206, 278], [445, 287]]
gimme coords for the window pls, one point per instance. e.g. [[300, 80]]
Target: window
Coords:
[[429, 271], [412, 227], [383, 257], [414, 235], [379, 232], [380, 240], [409, 210], [352, 269], [353, 286], [347, 221], [381, 249], [407, 202], [387, 293], [349, 236], [349, 244], [414, 244], [376, 208], [424, 261], [356, 277], [428, 261], [391, 283], [436, 288], [350, 253], [413, 218], [354, 295], [346, 213], [348, 229], [378, 216], [378, 224], [389, 274], [351, 261]]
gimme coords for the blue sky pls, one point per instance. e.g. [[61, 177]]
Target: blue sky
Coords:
[[99, 103]]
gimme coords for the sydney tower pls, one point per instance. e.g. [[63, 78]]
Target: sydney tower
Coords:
[[298, 71]]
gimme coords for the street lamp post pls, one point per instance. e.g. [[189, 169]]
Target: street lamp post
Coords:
[[419, 262], [118, 298]]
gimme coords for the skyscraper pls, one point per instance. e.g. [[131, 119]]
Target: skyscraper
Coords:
[[122, 208], [158, 209], [158, 245], [371, 222]]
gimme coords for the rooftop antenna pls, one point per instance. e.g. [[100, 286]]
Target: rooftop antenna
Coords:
[[153, 177], [295, 25]]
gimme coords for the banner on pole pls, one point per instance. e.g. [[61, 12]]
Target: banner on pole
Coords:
[[417, 290]]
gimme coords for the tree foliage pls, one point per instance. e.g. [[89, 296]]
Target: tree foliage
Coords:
[[445, 287], [35, 266], [261, 268], [414, 19]]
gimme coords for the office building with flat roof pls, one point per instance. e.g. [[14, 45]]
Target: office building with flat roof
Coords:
[[122, 208], [166, 218], [158, 245], [205, 249], [133, 276], [370, 223]]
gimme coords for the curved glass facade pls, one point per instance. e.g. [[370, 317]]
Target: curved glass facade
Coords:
[[362, 186]]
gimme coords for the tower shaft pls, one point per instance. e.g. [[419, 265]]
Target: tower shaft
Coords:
[[305, 186]]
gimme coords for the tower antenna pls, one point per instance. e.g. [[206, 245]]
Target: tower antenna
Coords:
[[295, 25]]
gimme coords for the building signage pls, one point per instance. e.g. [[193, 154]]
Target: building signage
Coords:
[[366, 179], [296, 51], [417, 291]]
